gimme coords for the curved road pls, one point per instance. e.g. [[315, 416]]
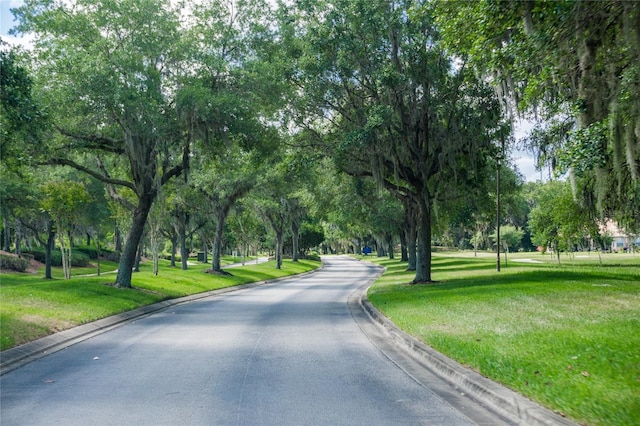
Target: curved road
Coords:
[[286, 353]]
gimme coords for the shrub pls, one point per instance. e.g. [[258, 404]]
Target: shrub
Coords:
[[77, 258], [311, 256], [38, 254], [112, 256], [92, 252], [13, 263]]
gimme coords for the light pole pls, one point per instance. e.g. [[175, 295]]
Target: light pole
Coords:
[[499, 159]]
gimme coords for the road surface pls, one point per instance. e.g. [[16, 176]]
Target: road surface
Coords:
[[286, 353]]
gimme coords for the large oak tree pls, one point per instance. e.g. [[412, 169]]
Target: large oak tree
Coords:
[[574, 66], [377, 83], [109, 72]]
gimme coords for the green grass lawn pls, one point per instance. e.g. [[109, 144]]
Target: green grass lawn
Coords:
[[32, 307], [567, 336]]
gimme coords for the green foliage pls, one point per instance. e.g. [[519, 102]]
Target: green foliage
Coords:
[[510, 237], [246, 99], [13, 263], [78, 257], [584, 151], [558, 221], [399, 110], [90, 251], [312, 256], [22, 120], [311, 235], [573, 65], [63, 200]]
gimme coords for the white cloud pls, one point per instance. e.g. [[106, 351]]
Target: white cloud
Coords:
[[523, 160], [526, 166], [7, 22], [6, 17]]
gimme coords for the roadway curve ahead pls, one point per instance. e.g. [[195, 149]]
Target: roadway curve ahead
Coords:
[[286, 353]]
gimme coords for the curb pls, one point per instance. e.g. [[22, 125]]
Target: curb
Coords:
[[18, 356], [503, 400]]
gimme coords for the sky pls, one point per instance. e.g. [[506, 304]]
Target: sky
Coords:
[[524, 162], [6, 20]]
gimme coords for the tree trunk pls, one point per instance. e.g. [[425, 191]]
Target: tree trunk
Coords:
[[68, 274], [136, 265], [63, 252], [182, 237], [118, 239], [423, 260], [154, 239], [279, 248], [51, 241], [410, 229], [389, 239], [18, 237], [156, 262], [217, 246], [128, 257], [7, 230], [98, 252], [174, 249], [404, 254], [295, 230], [412, 248]]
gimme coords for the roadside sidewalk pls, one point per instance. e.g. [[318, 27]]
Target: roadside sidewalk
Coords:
[[249, 262]]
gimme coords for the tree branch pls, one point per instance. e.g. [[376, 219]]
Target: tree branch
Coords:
[[112, 191], [100, 177], [120, 199], [178, 169], [102, 143]]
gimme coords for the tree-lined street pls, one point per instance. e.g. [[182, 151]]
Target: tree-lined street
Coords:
[[161, 140], [284, 353]]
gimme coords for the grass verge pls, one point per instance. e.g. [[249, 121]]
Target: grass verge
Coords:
[[32, 307], [567, 336]]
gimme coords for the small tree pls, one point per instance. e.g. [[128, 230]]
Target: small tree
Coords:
[[559, 220], [510, 237], [311, 235], [245, 225], [64, 201]]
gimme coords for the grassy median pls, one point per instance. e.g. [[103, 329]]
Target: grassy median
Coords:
[[567, 336], [32, 307]]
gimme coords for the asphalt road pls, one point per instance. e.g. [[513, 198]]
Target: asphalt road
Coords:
[[293, 352]]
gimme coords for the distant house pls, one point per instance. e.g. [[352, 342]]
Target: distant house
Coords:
[[620, 241]]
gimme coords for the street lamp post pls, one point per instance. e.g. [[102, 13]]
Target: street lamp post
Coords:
[[499, 164], [499, 159]]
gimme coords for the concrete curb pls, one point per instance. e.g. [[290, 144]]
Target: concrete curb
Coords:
[[18, 356], [503, 400]]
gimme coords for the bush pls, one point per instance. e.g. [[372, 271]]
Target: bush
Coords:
[[311, 256], [13, 263], [92, 252], [77, 258], [38, 254], [166, 256], [112, 256]]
